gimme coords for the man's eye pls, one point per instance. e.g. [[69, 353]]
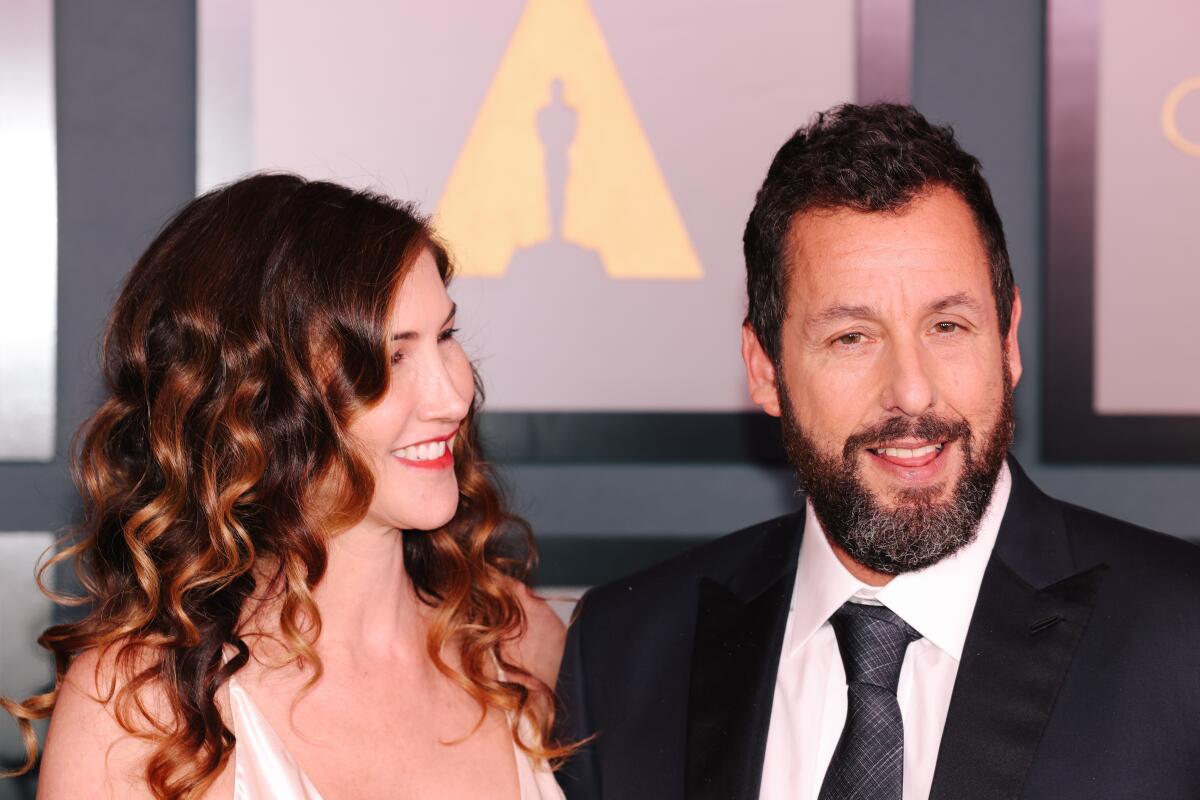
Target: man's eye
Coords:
[[850, 338], [946, 327]]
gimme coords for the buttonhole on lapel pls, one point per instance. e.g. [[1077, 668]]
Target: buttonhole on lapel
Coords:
[[1044, 623]]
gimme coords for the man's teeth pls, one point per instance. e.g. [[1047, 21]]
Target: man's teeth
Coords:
[[903, 452], [426, 451]]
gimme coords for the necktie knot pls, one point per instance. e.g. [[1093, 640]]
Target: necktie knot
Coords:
[[872, 641]]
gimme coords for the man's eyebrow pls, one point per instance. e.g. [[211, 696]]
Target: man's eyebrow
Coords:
[[960, 299], [839, 312], [407, 335]]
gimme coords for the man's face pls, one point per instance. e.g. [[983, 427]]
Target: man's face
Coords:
[[894, 382]]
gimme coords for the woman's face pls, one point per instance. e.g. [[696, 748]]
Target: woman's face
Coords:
[[409, 435]]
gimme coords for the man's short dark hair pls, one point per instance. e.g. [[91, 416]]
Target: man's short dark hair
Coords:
[[866, 158]]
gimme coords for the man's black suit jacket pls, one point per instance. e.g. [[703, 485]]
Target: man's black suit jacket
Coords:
[[1080, 676]]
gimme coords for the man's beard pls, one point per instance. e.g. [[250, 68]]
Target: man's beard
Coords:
[[918, 530]]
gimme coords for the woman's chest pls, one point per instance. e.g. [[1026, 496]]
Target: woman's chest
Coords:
[[354, 743]]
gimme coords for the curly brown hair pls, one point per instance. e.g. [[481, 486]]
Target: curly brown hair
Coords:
[[244, 342]]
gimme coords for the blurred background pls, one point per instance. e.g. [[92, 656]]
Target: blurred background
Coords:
[[592, 166]]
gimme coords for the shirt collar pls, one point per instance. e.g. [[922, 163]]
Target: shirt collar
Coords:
[[938, 601]]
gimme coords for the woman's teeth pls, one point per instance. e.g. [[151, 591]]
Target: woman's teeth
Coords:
[[426, 451], [902, 452]]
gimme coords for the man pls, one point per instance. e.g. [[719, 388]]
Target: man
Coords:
[[930, 624]]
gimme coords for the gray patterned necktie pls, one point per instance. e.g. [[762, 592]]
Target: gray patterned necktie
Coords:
[[868, 763]]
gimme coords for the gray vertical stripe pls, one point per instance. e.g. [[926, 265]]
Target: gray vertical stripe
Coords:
[[885, 45], [224, 109], [28, 232], [24, 614]]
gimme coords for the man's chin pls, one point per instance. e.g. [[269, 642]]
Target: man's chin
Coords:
[[895, 526], [916, 501], [900, 538], [909, 512]]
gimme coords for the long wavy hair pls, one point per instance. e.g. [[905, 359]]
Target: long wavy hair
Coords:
[[244, 342]]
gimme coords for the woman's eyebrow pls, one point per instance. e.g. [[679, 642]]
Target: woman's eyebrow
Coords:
[[406, 335]]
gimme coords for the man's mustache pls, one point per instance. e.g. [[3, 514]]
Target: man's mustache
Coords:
[[929, 427]]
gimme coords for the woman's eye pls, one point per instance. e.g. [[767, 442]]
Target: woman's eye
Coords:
[[447, 334], [397, 357]]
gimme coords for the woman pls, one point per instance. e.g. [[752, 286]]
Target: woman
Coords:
[[303, 583]]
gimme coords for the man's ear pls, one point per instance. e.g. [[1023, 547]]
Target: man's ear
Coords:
[[760, 372], [1011, 346]]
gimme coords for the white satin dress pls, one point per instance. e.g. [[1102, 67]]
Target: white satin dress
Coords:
[[265, 770]]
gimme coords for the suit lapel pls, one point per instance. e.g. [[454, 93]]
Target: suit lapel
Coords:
[[1031, 613], [740, 623]]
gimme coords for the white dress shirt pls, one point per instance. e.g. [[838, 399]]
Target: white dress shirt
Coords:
[[810, 688]]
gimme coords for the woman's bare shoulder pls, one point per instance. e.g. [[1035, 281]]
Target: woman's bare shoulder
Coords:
[[88, 753], [540, 648]]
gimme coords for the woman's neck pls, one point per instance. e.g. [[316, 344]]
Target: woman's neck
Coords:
[[366, 598]]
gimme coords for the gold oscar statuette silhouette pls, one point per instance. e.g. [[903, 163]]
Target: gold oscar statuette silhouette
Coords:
[[556, 153]]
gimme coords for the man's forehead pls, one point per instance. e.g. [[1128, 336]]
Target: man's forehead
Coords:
[[834, 301], [936, 211], [933, 240]]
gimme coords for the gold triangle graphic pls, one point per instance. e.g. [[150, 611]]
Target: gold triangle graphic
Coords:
[[615, 202]]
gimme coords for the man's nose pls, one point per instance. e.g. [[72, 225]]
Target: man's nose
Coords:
[[909, 387]]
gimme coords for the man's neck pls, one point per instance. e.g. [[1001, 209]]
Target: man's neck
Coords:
[[865, 574]]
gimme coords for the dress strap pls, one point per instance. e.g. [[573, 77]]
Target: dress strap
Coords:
[[263, 767]]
